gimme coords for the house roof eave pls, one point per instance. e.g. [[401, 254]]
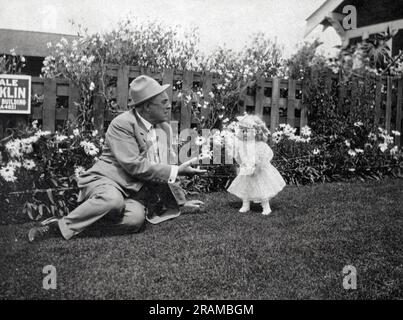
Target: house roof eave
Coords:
[[29, 43], [320, 15]]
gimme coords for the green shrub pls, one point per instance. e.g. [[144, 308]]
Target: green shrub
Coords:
[[38, 170]]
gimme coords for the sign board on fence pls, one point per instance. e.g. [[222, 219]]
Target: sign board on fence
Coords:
[[15, 94]]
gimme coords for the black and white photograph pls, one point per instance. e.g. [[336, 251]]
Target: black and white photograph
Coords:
[[222, 153]]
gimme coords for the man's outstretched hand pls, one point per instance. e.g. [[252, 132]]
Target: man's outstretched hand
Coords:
[[193, 204], [186, 169]]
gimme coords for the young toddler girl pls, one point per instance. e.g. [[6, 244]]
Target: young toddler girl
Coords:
[[258, 180]]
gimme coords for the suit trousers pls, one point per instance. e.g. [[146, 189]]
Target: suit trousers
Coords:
[[107, 202]]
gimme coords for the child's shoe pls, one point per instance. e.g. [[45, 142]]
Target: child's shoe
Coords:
[[245, 207], [266, 208]]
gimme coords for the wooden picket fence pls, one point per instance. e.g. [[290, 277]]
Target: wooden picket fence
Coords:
[[275, 100], [388, 101], [56, 104]]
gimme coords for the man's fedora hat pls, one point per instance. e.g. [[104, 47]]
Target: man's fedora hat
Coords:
[[144, 88]]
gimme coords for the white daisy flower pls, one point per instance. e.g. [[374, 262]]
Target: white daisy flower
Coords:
[[277, 136], [352, 153], [206, 154], [7, 173], [26, 148], [14, 148], [372, 136], [78, 171], [14, 164], [29, 164], [200, 141], [89, 148], [60, 138], [289, 131], [388, 139], [306, 131], [383, 147], [394, 150]]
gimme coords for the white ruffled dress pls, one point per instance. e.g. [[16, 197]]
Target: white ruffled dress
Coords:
[[258, 180]]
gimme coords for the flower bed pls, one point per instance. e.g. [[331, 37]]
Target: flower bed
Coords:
[[356, 153], [38, 170]]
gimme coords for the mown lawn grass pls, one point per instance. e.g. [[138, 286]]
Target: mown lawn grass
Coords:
[[298, 252]]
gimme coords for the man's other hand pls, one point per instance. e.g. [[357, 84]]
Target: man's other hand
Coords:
[[186, 169], [193, 204]]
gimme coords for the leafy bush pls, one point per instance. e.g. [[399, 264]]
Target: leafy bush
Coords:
[[355, 153], [38, 170]]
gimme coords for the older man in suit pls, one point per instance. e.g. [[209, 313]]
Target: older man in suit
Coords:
[[132, 181]]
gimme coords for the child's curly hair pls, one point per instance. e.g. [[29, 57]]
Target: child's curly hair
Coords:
[[254, 122]]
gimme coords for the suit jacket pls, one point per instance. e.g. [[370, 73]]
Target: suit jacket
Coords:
[[124, 162]]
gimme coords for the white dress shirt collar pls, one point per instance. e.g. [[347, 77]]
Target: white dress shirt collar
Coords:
[[147, 124]]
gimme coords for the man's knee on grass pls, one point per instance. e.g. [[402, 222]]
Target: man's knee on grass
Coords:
[[134, 216], [113, 201]]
